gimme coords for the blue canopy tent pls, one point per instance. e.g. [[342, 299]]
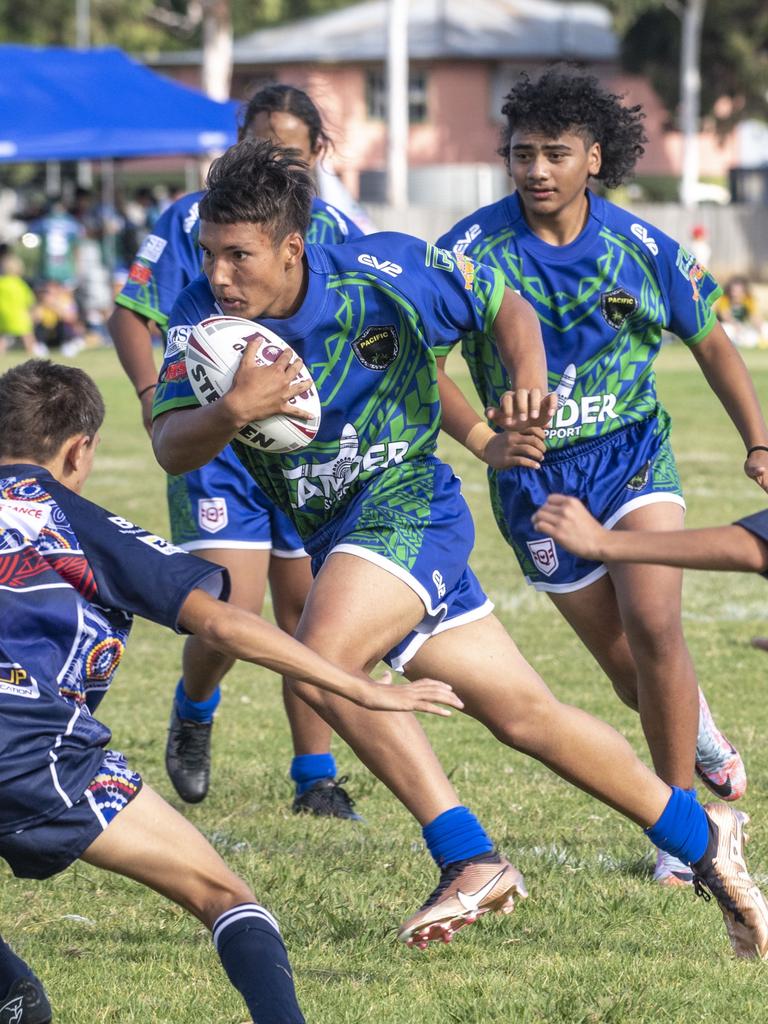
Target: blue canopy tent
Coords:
[[60, 104]]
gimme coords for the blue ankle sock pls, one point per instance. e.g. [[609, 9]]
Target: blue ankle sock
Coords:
[[683, 828], [196, 710], [307, 769], [455, 835], [248, 942], [12, 967]]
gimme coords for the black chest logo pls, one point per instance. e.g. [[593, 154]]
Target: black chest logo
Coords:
[[377, 347], [616, 306]]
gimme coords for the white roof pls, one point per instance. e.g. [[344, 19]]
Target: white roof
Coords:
[[498, 29]]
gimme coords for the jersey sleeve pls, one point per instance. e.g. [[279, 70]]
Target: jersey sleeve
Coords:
[[167, 260], [329, 226], [691, 291], [136, 571], [174, 390], [757, 524], [462, 297]]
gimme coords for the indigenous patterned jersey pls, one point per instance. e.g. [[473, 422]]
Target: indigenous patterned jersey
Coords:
[[374, 311], [71, 578], [603, 301], [169, 258]]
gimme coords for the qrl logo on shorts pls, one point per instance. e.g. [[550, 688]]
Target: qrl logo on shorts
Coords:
[[212, 514], [544, 555]]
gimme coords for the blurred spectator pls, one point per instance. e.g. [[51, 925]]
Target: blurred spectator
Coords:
[[57, 324], [700, 246], [17, 301], [739, 313], [60, 236]]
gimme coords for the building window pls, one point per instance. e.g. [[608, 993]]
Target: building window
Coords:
[[376, 96]]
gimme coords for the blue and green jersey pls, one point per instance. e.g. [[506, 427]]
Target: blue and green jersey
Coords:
[[375, 312], [603, 302]]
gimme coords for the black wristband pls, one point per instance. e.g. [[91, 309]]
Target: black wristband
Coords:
[[149, 387], [757, 448]]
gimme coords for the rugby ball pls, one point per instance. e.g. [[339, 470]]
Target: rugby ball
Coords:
[[214, 350]]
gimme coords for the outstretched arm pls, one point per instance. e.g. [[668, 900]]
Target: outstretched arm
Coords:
[[732, 548], [244, 635]]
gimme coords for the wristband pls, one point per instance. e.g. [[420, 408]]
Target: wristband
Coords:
[[477, 439], [145, 390], [757, 448]]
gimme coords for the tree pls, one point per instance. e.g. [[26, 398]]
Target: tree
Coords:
[[734, 51]]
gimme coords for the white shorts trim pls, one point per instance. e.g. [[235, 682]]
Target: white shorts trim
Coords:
[[393, 570], [399, 663], [293, 553], [645, 499], [252, 545], [567, 588]]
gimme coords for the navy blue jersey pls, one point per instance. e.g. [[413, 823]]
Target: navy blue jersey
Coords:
[[374, 311], [757, 524], [169, 258], [72, 576]]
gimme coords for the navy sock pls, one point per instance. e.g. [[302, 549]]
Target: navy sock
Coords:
[[683, 828], [248, 942], [11, 967], [455, 835], [307, 769], [196, 710]]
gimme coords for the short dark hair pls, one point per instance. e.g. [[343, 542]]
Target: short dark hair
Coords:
[[564, 101], [43, 405], [255, 182], [285, 99]]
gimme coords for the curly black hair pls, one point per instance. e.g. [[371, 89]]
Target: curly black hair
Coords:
[[562, 101]]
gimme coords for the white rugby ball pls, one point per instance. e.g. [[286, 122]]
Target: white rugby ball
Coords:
[[214, 350]]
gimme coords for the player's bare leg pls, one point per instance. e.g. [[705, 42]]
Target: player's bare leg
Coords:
[[343, 622], [152, 843]]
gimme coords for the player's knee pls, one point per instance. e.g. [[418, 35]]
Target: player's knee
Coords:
[[210, 897], [525, 727], [653, 639]]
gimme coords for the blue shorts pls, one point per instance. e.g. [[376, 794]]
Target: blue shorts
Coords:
[[44, 850], [412, 521], [221, 506], [612, 475]]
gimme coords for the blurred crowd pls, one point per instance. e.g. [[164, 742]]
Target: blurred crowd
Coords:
[[62, 262]]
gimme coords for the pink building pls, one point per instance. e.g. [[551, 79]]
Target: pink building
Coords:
[[463, 57]]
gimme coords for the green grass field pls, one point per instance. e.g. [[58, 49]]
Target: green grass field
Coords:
[[596, 941]]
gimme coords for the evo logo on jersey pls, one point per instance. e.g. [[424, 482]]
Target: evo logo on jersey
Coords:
[[573, 416], [332, 479], [437, 579], [385, 266], [377, 347], [616, 306], [467, 239], [192, 218], [650, 243], [544, 555], [15, 681]]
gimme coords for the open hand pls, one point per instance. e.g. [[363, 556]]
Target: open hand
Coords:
[[420, 695], [523, 407]]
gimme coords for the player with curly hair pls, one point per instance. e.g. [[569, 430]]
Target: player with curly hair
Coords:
[[604, 284]]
